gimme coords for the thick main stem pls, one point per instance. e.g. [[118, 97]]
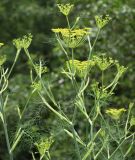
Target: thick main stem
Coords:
[[3, 114], [75, 110], [5, 129], [7, 140]]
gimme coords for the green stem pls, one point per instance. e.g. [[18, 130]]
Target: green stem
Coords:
[[127, 121], [72, 60], [33, 157], [71, 70], [120, 144], [92, 47], [75, 85], [27, 102], [48, 94], [90, 54], [15, 60], [76, 144], [5, 130], [59, 41], [75, 109], [102, 78], [2, 111], [7, 140], [54, 111], [68, 22], [118, 130], [116, 149], [108, 127]]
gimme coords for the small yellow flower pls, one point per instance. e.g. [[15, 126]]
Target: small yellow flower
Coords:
[[65, 8], [115, 113], [101, 22], [103, 62], [80, 67], [23, 42], [121, 69], [72, 37], [37, 86], [41, 69]]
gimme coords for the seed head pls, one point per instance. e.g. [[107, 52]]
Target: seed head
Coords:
[[65, 8], [101, 22], [37, 86], [23, 42]]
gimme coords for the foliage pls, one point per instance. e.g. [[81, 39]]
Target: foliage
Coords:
[[72, 101]]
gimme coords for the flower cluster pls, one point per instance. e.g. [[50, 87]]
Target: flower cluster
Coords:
[[37, 86], [23, 42], [115, 113], [69, 32], [120, 69], [72, 37], [101, 22], [99, 91], [44, 145], [65, 8], [40, 69], [80, 67], [103, 62]]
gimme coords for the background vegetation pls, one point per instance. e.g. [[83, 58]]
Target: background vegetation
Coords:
[[38, 17]]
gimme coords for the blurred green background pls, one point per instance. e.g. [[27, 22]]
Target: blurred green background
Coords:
[[38, 17]]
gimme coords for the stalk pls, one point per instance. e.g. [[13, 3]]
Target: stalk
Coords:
[[7, 140], [15, 60], [5, 130], [48, 94]]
